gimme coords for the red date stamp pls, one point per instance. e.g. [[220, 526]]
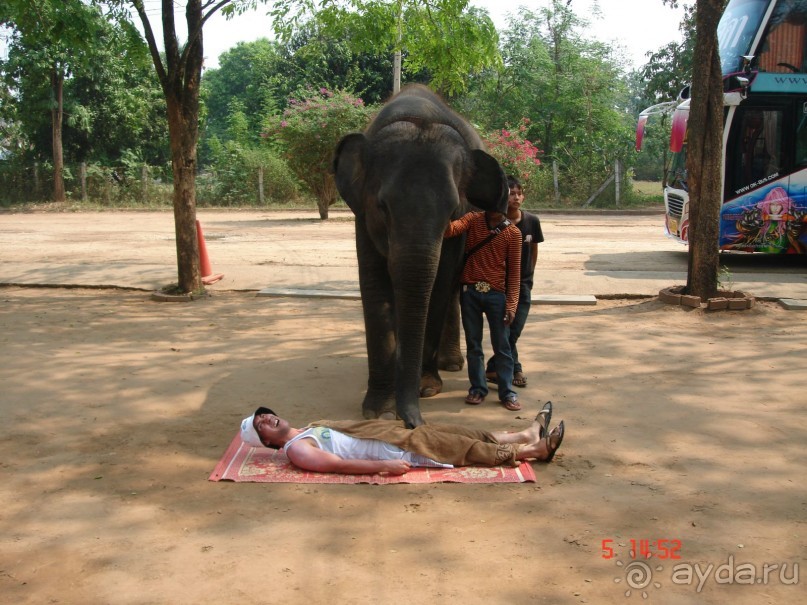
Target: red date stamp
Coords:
[[660, 548]]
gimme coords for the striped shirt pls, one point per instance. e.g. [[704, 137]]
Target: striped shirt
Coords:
[[498, 262]]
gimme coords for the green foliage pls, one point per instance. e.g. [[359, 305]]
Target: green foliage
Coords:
[[308, 131], [128, 185], [233, 178], [572, 91], [262, 75], [445, 37], [249, 78], [669, 68], [112, 100], [242, 171], [544, 82], [316, 57]]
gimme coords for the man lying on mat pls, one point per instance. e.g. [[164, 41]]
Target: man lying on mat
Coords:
[[386, 446]]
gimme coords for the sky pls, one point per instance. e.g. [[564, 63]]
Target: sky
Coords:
[[638, 25]]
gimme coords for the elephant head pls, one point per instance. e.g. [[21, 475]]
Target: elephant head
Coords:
[[416, 167]]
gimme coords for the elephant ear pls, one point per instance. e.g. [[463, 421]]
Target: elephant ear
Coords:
[[487, 188], [348, 169]]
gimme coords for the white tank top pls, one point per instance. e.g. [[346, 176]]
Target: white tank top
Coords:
[[354, 448]]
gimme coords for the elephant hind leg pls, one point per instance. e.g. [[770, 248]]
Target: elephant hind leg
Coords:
[[449, 354], [451, 363], [430, 385]]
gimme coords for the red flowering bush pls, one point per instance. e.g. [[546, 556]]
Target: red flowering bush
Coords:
[[517, 154], [307, 133]]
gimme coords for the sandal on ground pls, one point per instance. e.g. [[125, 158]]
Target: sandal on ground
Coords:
[[519, 380], [474, 398], [492, 377], [553, 441], [543, 418], [511, 403]]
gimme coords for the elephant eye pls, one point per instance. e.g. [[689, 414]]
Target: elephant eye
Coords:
[[381, 205]]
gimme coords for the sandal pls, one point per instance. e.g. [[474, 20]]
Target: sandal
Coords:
[[543, 418], [519, 380], [511, 403], [553, 441], [492, 377], [474, 398]]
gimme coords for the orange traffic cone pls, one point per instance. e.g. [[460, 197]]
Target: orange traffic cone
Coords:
[[204, 262]]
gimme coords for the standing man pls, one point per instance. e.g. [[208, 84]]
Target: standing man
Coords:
[[490, 284], [531, 235]]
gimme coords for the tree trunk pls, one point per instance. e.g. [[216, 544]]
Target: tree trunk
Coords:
[[322, 206], [179, 77], [555, 181], [183, 163], [704, 154], [260, 186], [83, 178], [180, 83], [57, 86], [144, 184]]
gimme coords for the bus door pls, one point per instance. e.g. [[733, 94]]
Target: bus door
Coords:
[[764, 200]]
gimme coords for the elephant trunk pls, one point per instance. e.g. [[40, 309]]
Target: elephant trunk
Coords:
[[413, 274]]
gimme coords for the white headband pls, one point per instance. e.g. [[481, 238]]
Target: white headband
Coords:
[[248, 433]]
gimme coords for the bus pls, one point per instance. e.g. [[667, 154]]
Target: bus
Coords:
[[763, 55]]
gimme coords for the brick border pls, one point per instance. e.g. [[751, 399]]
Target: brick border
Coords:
[[727, 301]]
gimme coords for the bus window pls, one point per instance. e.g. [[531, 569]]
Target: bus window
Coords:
[[761, 153]]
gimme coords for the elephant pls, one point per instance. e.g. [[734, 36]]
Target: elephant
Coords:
[[417, 166]]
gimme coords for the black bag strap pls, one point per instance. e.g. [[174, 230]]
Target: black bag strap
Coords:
[[493, 233]]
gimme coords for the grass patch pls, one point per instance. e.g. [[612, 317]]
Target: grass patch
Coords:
[[650, 189]]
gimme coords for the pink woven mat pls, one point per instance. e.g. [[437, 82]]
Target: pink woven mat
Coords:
[[244, 463]]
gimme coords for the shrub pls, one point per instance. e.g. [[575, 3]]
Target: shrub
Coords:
[[308, 130], [517, 154], [234, 179]]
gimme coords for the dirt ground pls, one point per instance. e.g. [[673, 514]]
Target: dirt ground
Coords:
[[682, 426]]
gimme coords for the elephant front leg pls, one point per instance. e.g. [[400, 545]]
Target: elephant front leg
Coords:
[[379, 327], [441, 347], [379, 401]]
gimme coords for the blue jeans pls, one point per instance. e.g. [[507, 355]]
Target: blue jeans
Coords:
[[516, 328], [474, 306]]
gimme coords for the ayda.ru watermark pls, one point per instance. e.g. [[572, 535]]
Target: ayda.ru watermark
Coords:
[[641, 576]]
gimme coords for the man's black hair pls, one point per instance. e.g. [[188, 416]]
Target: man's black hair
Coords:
[[258, 412]]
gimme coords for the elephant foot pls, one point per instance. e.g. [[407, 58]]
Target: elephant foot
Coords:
[[378, 404], [451, 363], [412, 419], [430, 385]]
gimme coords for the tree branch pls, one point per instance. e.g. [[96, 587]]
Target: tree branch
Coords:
[[169, 31], [192, 36], [155, 53]]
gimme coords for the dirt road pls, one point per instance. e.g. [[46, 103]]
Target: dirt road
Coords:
[[684, 428], [584, 254]]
